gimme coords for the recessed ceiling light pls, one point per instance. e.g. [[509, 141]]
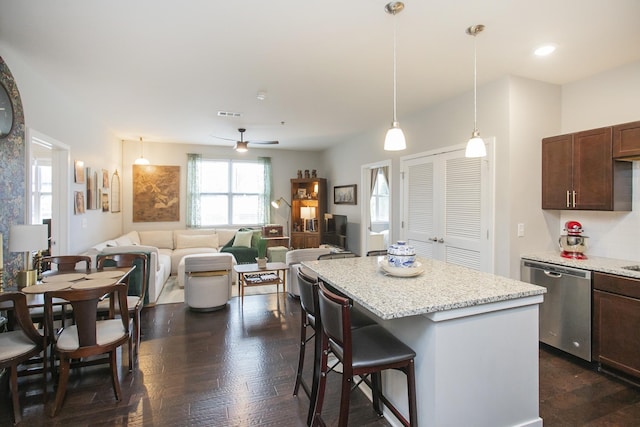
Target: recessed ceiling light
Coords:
[[545, 50]]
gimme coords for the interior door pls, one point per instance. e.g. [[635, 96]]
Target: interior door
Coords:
[[447, 208]]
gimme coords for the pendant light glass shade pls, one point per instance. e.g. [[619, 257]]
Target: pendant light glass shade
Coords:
[[141, 160], [475, 146], [394, 141]]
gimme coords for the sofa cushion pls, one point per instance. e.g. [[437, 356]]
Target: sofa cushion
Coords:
[[192, 232], [243, 239], [226, 235], [197, 241], [159, 238], [177, 255]]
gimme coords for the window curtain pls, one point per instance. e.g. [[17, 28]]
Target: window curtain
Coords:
[[264, 213], [193, 190]]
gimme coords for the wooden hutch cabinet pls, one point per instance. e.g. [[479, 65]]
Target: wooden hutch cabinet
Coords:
[[579, 172], [308, 206]]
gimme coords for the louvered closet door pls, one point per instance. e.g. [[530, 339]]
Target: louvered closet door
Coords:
[[447, 210], [461, 231], [420, 215]]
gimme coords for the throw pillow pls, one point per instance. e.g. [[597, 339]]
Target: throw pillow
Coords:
[[197, 241], [243, 239], [124, 241]]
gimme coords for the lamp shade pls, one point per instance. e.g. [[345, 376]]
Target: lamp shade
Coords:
[[307, 212], [475, 147], [394, 141], [27, 238]]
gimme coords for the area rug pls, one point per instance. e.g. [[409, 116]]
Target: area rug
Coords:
[[172, 293]]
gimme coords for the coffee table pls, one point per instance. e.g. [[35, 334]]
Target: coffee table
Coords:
[[275, 273]]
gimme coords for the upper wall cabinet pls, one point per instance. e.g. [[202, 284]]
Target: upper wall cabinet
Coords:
[[579, 173], [626, 141]]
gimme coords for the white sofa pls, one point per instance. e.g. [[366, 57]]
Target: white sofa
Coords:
[[166, 249]]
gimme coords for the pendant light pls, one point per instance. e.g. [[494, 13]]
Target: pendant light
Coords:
[[141, 160], [475, 146], [394, 141]]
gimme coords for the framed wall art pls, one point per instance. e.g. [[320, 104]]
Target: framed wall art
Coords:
[[115, 192], [78, 207], [345, 195], [78, 171], [156, 193]]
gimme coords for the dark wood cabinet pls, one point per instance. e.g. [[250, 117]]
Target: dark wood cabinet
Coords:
[[308, 206], [616, 322], [626, 141], [579, 173]]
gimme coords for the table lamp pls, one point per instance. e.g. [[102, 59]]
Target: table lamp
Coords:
[[28, 239]]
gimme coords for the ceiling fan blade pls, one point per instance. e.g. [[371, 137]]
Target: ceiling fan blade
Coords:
[[226, 139], [264, 142]]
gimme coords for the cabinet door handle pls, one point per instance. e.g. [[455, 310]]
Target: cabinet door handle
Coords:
[[574, 199], [433, 239], [568, 198], [441, 240]]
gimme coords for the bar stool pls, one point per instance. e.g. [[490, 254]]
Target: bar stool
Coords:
[[310, 317], [364, 351]]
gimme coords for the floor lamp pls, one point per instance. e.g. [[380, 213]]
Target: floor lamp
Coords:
[[276, 204]]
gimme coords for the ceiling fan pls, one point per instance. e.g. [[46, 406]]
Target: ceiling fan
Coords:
[[242, 145]]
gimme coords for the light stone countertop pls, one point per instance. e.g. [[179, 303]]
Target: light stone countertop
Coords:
[[603, 265], [441, 287]]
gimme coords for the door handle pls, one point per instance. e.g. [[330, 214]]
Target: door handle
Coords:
[[574, 199], [441, 240], [568, 205], [433, 239], [551, 274]]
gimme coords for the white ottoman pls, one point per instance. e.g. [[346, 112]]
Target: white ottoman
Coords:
[[207, 280]]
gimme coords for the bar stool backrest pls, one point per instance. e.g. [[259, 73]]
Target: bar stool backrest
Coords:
[[308, 294], [335, 312]]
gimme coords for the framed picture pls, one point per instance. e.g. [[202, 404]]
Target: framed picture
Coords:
[[78, 207], [105, 201], [78, 171], [105, 178], [302, 193], [345, 195], [156, 193]]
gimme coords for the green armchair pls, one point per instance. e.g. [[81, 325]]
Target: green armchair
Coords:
[[244, 254]]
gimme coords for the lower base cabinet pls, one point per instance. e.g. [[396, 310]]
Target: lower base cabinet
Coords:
[[616, 323]]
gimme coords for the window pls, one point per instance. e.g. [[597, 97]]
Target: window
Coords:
[[41, 191], [232, 192], [380, 199]]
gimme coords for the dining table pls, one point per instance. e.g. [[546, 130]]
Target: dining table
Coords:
[[475, 335]]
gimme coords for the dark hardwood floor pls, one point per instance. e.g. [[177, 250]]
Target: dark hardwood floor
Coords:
[[237, 368]]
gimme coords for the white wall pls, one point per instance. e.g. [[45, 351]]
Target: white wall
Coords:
[[534, 113], [51, 112], [606, 99], [284, 165]]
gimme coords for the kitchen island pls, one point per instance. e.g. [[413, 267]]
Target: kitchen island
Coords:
[[475, 335]]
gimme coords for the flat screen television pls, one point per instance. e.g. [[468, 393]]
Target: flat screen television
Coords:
[[335, 233]]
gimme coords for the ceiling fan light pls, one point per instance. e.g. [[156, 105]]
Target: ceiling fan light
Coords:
[[475, 146], [241, 147], [394, 141]]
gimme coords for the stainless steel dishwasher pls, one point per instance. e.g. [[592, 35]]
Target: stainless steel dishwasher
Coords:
[[565, 314]]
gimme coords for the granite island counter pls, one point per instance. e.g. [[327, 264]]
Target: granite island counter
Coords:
[[475, 335]]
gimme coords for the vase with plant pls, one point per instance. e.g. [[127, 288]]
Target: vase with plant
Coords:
[[261, 246]]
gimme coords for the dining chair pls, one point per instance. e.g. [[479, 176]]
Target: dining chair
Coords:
[[19, 344], [88, 336], [68, 262], [378, 252], [310, 318], [138, 283], [337, 255], [365, 351]]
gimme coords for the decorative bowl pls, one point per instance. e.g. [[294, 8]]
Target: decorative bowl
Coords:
[[401, 255]]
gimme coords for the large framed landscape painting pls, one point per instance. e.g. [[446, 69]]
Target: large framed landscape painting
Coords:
[[156, 193]]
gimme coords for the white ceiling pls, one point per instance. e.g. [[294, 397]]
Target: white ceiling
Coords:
[[162, 69]]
